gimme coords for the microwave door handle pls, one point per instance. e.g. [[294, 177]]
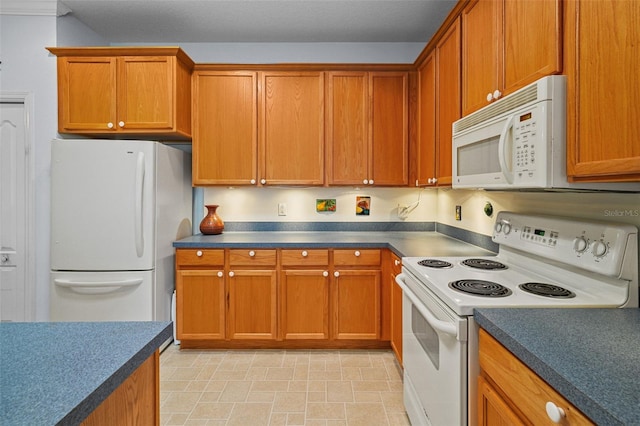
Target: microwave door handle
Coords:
[[502, 145]]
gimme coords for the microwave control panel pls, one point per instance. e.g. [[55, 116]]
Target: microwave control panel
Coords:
[[525, 136]]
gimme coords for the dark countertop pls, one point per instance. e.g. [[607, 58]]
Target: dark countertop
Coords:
[[404, 244], [58, 373], [590, 356]]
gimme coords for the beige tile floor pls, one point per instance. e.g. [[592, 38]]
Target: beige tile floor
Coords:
[[280, 387]]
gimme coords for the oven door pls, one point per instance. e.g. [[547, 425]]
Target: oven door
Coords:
[[434, 356]]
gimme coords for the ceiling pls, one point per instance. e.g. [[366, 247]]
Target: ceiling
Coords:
[[251, 21]]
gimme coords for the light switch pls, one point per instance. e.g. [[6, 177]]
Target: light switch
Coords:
[[282, 209]]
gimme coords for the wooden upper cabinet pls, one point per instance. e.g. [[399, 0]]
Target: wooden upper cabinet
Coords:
[[225, 130], [124, 91], [389, 128], [425, 146], [602, 60], [448, 99], [507, 45], [367, 128], [291, 128], [347, 127]]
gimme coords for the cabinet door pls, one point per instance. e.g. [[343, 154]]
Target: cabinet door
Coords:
[[389, 128], [347, 128], [492, 409], [448, 98], [146, 92], [425, 152], [602, 60], [532, 42], [291, 122], [200, 304], [356, 304], [481, 29], [252, 304], [86, 94], [304, 304], [225, 133]]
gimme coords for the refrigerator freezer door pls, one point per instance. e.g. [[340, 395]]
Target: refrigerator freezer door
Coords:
[[102, 296], [102, 205]]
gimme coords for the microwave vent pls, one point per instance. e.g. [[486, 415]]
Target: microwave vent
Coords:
[[515, 100]]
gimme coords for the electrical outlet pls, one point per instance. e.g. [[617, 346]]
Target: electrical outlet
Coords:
[[282, 209], [458, 212]]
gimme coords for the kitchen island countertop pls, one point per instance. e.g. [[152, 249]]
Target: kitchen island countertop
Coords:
[[59, 373], [590, 356], [404, 244]]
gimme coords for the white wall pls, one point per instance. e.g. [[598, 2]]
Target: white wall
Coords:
[[261, 204], [28, 67]]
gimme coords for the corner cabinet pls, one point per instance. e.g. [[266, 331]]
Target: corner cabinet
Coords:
[[116, 92], [510, 393], [367, 128], [439, 100], [602, 58], [507, 45]]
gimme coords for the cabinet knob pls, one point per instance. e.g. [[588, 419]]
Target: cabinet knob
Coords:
[[336, 274], [304, 253], [555, 413], [496, 94], [252, 253], [434, 180], [370, 181], [489, 97], [110, 125], [199, 253], [121, 123], [417, 183], [396, 262], [253, 181], [365, 181], [220, 274], [356, 253], [325, 274], [231, 274], [263, 181]]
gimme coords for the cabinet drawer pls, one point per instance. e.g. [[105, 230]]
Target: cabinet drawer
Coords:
[[305, 257], [249, 257], [199, 257], [510, 375], [352, 257]]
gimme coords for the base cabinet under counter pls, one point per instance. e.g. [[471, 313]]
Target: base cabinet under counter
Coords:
[[278, 298]]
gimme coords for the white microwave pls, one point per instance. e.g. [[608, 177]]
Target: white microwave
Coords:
[[518, 142]]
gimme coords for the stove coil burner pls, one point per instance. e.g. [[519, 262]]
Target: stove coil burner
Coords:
[[480, 288], [486, 264], [547, 290], [435, 263]]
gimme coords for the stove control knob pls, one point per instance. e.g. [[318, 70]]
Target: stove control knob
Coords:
[[498, 227], [580, 244], [599, 249], [506, 228]]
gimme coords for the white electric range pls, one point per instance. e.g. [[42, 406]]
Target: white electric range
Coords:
[[542, 261]]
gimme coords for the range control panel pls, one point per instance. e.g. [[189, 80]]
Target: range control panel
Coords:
[[595, 246]]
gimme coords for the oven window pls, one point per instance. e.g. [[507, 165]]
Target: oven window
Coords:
[[427, 336]]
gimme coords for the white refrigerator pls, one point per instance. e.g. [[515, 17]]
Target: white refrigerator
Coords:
[[116, 208]]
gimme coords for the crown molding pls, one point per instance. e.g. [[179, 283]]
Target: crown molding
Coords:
[[33, 8]]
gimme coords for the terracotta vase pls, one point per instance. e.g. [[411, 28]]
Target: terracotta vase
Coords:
[[211, 224]]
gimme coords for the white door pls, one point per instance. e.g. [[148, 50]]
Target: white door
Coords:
[[102, 205], [14, 214]]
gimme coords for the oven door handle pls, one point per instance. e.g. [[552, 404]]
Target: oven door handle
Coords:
[[438, 325]]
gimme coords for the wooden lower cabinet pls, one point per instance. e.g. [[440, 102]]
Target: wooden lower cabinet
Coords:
[[135, 401], [510, 393], [282, 298]]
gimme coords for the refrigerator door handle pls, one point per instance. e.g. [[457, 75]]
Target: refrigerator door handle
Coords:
[[140, 172], [100, 287]]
